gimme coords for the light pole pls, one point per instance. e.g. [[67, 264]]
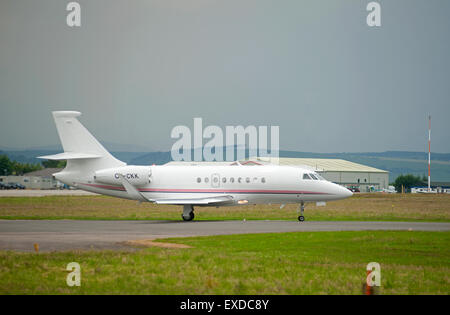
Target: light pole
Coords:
[[429, 153]]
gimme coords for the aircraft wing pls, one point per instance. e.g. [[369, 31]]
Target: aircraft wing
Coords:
[[211, 201]]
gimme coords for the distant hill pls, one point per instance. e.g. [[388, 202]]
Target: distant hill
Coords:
[[110, 146], [30, 156], [396, 162]]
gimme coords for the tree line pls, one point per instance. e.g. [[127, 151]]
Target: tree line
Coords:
[[408, 181], [8, 167]]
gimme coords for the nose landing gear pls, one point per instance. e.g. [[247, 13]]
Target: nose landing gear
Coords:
[[301, 209], [188, 213]]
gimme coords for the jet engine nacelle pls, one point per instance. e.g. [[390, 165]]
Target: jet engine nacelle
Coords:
[[136, 175]]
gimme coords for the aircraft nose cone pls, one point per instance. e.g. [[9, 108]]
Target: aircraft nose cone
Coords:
[[347, 192], [340, 192]]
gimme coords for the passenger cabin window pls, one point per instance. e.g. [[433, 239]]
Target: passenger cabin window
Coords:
[[306, 176], [199, 180], [247, 179], [263, 180], [206, 179], [232, 180], [224, 179]]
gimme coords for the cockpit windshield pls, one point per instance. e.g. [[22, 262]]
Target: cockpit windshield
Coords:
[[312, 176], [320, 177]]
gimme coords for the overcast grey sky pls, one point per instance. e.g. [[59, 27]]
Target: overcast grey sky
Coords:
[[136, 69]]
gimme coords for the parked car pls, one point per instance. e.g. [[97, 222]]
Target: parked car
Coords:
[[353, 189], [20, 186], [7, 186], [16, 186], [12, 185], [390, 190]]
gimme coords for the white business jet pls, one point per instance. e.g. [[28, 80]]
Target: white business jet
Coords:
[[92, 168]]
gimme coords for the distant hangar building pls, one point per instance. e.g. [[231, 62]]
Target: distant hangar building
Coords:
[[345, 173], [42, 179]]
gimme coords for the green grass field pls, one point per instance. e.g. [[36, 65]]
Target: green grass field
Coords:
[[285, 263], [365, 207]]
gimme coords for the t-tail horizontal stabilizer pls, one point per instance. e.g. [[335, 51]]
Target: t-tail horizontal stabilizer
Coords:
[[70, 156], [81, 150]]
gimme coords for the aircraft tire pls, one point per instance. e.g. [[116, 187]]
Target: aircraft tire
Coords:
[[188, 218]]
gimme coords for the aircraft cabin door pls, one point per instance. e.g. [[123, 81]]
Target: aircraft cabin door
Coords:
[[215, 180]]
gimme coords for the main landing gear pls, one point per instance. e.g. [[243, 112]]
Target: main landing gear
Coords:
[[188, 213], [301, 209]]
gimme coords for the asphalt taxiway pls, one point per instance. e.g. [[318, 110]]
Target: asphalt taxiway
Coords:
[[61, 235]]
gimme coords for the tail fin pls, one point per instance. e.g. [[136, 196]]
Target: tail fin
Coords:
[[78, 143]]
